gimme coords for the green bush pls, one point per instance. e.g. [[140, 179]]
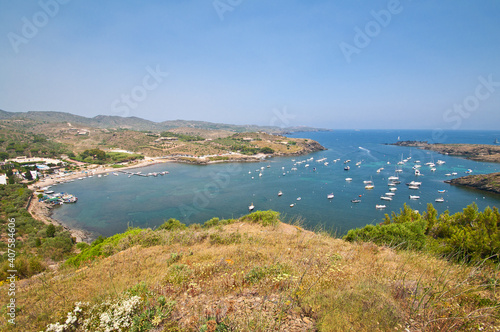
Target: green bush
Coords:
[[265, 218], [172, 224]]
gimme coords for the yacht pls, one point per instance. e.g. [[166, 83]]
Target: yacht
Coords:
[[385, 198], [379, 206], [439, 200]]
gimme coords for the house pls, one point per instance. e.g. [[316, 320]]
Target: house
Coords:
[[3, 179]]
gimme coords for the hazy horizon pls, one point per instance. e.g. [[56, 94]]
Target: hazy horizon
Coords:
[[357, 65]]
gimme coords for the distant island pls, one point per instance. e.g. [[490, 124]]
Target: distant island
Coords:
[[477, 152]]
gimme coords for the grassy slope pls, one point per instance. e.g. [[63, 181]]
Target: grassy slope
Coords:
[[256, 278]]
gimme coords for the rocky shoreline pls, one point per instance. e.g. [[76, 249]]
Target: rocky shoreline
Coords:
[[477, 152], [486, 182]]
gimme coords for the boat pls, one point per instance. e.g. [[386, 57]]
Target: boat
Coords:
[[368, 182], [468, 171], [385, 198], [326, 163], [347, 168], [260, 174], [348, 179], [389, 194], [355, 201], [268, 166], [440, 162], [299, 198], [330, 196], [496, 141], [414, 197], [393, 189], [414, 183], [441, 191], [433, 169], [358, 163], [439, 200], [414, 187], [292, 205], [392, 178], [280, 193], [251, 207], [447, 174], [454, 173], [417, 172], [347, 161], [380, 169], [369, 186], [380, 206]]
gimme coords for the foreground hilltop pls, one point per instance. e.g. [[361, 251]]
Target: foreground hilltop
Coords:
[[253, 274]]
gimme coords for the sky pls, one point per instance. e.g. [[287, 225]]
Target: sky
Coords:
[[333, 64]]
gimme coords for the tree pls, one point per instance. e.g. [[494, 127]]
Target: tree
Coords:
[[28, 176], [267, 150], [51, 230], [4, 155]]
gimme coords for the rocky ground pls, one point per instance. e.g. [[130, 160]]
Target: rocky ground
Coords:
[[487, 182]]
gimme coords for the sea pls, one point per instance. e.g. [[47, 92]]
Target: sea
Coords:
[[194, 194]]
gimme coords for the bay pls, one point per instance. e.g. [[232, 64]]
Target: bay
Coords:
[[194, 194]]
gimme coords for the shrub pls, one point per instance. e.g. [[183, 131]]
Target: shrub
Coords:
[[172, 224], [265, 218]]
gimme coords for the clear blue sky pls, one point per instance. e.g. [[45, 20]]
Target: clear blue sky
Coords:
[[422, 64]]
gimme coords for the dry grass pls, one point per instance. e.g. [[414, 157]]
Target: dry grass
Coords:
[[275, 278]]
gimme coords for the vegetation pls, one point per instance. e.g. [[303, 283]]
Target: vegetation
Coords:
[[97, 156], [257, 274], [469, 236], [36, 243], [182, 137]]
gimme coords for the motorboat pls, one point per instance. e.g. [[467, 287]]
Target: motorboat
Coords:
[[369, 186], [439, 200], [355, 201], [330, 196], [414, 197], [348, 179], [380, 206], [280, 193], [251, 207], [347, 168], [389, 194], [385, 198]]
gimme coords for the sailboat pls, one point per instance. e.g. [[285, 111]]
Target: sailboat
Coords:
[[251, 207], [496, 141]]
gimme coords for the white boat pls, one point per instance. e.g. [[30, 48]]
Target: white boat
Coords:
[[417, 173], [441, 162], [439, 200], [380, 169], [414, 183], [251, 207], [368, 182], [393, 177], [280, 193], [369, 186], [389, 194], [268, 166], [260, 174], [380, 206], [454, 173], [385, 198], [414, 187], [433, 169], [393, 188], [347, 168], [292, 205], [299, 198], [348, 179], [326, 163], [358, 163], [306, 165], [414, 197], [447, 174], [330, 196]]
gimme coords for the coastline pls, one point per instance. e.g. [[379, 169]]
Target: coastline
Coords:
[[43, 212]]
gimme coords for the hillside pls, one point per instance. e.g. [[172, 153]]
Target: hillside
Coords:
[[487, 182], [135, 123], [254, 274]]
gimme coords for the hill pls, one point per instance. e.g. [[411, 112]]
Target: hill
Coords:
[[254, 274], [135, 123]]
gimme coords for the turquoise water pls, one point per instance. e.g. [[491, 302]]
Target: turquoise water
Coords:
[[194, 194]]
